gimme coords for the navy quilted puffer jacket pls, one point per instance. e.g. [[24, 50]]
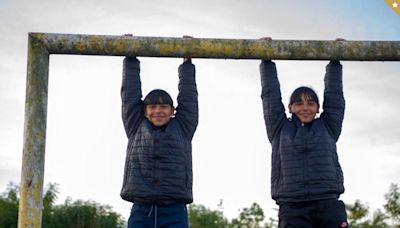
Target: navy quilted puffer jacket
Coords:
[[305, 164], [158, 167]]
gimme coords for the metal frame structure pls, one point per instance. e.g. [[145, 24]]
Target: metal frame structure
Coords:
[[41, 45]]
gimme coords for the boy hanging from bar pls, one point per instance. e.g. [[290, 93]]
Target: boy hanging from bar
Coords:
[[158, 169], [306, 177]]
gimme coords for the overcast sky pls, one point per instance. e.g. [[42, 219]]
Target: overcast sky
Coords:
[[86, 142]]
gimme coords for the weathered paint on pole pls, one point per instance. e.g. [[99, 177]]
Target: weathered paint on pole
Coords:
[[220, 48], [41, 45], [30, 207]]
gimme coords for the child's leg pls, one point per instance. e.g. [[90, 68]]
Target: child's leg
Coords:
[[173, 216], [332, 213], [141, 217], [293, 215]]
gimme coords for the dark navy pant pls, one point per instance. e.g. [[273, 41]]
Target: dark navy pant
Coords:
[[313, 214], [153, 216]]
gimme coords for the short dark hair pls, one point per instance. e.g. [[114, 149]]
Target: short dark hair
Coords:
[[158, 96], [309, 93]]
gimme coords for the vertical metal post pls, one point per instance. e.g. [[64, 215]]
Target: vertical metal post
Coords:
[[30, 207]]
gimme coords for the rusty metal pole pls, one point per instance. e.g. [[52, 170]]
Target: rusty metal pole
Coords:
[[220, 48], [30, 207], [41, 45]]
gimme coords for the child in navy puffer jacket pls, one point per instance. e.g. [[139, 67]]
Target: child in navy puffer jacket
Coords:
[[158, 168], [306, 177]]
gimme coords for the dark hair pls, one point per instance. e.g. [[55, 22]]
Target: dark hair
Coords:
[[309, 94], [158, 96]]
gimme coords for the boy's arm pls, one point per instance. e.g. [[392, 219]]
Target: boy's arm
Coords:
[[274, 111], [334, 103], [131, 95], [187, 109]]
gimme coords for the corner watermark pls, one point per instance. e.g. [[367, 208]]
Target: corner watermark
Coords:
[[395, 5]]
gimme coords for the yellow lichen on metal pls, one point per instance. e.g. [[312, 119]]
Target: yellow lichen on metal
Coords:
[[30, 207], [164, 47], [221, 48], [32, 217], [118, 45]]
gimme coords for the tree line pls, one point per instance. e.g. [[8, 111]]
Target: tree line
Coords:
[[90, 214]]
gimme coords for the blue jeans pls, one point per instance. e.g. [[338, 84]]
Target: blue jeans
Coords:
[[153, 216]]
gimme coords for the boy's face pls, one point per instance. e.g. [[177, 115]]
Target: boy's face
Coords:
[[305, 110], [159, 114]]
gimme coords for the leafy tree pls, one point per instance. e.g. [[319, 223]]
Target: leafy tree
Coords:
[[88, 214], [358, 216], [378, 220], [49, 199], [9, 207], [200, 216], [71, 214], [83, 214], [273, 222], [249, 217], [392, 205], [356, 213]]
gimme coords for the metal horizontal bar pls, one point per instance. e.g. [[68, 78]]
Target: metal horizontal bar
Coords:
[[219, 48]]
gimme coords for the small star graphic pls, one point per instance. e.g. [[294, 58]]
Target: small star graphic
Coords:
[[395, 4]]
